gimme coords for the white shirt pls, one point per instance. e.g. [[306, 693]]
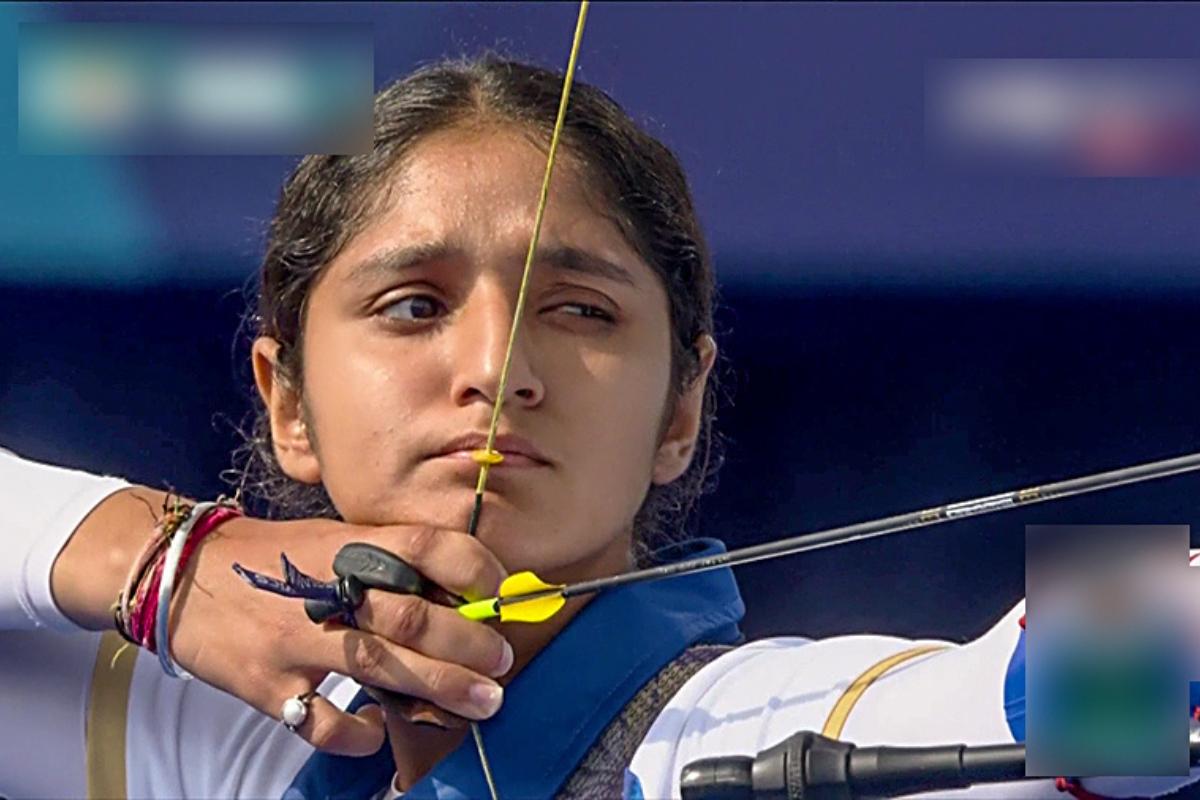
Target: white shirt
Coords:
[[187, 739], [761, 693]]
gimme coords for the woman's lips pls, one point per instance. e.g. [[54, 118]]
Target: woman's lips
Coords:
[[516, 450], [511, 460]]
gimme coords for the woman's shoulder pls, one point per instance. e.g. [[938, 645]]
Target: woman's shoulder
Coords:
[[764, 691]]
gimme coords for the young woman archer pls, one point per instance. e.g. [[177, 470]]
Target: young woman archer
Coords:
[[385, 303]]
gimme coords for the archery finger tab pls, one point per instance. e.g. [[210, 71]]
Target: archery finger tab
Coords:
[[377, 568], [489, 457], [319, 611]]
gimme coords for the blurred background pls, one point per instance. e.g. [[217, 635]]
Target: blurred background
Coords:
[[957, 247]]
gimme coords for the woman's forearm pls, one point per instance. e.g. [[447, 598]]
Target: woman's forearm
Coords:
[[41, 506], [91, 569]]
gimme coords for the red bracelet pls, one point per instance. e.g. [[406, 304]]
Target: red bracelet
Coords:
[[141, 620], [141, 625]]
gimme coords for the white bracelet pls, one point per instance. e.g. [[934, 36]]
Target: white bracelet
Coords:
[[167, 585]]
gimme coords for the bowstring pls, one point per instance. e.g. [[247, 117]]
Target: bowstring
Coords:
[[489, 456]]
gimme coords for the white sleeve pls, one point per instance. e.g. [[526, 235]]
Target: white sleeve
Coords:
[[182, 738], [40, 507], [760, 694]]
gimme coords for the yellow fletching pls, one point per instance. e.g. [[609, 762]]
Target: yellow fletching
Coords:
[[486, 456], [536, 609], [525, 583]]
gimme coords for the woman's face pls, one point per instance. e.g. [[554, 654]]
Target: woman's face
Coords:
[[404, 342]]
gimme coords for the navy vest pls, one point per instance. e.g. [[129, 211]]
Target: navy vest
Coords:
[[565, 697]]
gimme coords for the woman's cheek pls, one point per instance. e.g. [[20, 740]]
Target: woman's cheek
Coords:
[[622, 463]]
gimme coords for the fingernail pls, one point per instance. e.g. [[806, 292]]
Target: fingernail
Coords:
[[487, 698], [506, 661]]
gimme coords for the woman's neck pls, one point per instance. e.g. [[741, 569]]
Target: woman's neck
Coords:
[[417, 749]]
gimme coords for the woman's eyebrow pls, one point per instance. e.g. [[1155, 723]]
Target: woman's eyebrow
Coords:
[[388, 262], [572, 259]]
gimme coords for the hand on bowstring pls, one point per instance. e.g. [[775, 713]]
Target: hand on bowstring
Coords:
[[263, 648]]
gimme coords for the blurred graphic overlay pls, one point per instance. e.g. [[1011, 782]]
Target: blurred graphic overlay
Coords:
[[1084, 117], [133, 88], [1110, 649]]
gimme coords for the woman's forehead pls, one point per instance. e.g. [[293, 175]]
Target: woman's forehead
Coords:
[[491, 175], [470, 189]]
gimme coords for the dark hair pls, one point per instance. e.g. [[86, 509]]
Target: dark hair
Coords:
[[327, 199]]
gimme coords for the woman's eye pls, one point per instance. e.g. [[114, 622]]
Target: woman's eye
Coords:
[[413, 308], [586, 311]]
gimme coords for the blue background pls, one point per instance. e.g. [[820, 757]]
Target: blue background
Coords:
[[898, 335]]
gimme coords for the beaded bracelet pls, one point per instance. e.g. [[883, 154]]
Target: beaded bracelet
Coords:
[[143, 566]]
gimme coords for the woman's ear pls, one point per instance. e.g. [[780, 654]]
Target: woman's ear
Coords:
[[678, 446], [290, 436]]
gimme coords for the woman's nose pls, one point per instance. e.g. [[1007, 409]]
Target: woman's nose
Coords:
[[482, 344]]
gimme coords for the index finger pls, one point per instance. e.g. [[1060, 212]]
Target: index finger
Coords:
[[453, 560]]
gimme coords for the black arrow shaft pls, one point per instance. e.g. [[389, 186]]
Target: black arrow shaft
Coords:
[[895, 524]]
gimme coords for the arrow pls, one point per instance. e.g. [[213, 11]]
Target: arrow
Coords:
[[524, 597], [488, 457]]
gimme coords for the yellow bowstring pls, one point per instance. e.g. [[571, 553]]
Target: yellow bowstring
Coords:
[[488, 456]]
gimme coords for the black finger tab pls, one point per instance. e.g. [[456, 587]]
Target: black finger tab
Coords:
[[350, 595], [376, 568]]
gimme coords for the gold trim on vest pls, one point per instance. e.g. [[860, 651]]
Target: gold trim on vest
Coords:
[[836, 720]]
